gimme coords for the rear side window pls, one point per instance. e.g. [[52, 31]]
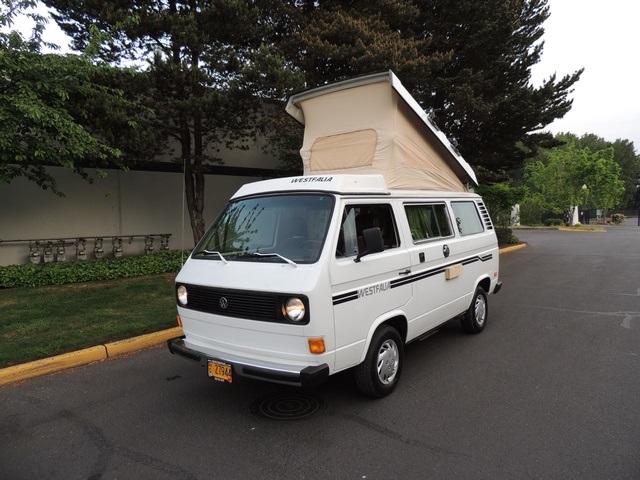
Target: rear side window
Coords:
[[428, 221], [356, 218], [467, 218]]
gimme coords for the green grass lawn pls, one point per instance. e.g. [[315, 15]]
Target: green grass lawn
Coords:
[[37, 323]]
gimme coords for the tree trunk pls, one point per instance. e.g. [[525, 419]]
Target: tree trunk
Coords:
[[197, 219], [193, 168], [194, 191]]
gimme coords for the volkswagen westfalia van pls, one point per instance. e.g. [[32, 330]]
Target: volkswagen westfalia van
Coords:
[[300, 278]]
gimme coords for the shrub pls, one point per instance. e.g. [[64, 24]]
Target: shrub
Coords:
[[531, 210], [60, 273], [506, 237], [499, 199], [618, 218], [577, 224], [553, 222]]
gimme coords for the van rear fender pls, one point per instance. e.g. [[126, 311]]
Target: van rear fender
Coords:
[[485, 283], [395, 319]]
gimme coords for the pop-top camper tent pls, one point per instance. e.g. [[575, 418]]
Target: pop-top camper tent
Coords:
[[372, 125]]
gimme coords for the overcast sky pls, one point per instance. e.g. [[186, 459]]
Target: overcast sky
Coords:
[[604, 38]]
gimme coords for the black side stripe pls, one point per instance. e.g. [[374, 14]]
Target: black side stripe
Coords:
[[345, 297], [399, 282]]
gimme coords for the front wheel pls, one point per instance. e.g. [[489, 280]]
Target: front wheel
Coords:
[[475, 318], [379, 373]]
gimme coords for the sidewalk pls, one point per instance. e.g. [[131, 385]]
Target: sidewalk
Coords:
[[25, 371]]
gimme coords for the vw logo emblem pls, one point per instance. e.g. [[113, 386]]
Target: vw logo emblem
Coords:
[[224, 303]]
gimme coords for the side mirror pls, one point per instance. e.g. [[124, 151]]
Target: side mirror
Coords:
[[373, 242]]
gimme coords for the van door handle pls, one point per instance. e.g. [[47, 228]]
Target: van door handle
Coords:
[[406, 272]]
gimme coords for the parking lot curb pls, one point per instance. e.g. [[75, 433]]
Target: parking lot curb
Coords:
[[65, 361], [512, 248], [138, 343]]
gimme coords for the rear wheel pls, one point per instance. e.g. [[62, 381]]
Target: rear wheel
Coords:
[[475, 318], [379, 373]]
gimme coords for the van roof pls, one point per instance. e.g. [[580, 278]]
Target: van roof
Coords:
[[341, 184]]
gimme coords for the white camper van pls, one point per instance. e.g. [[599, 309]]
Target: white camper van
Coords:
[[300, 278]]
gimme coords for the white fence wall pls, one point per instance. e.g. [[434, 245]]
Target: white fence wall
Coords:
[[122, 204]]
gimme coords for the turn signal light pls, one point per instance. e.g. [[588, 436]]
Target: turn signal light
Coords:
[[179, 320], [316, 345]]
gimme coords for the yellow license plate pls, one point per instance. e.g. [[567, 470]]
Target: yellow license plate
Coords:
[[220, 371]]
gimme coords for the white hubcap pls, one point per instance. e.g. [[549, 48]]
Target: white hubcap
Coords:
[[388, 359], [480, 310]]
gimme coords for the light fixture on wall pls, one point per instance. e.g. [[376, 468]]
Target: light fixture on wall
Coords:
[[117, 246], [97, 248], [61, 254], [164, 241], [148, 244], [47, 252], [81, 249], [34, 252]]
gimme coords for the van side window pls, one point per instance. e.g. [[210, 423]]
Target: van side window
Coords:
[[428, 221], [356, 218], [467, 218]]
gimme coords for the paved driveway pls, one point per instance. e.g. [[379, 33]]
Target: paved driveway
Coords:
[[550, 390]]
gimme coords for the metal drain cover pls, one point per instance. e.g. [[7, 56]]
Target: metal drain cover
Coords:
[[289, 406]]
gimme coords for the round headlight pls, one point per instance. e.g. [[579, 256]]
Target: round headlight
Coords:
[[182, 294], [294, 309]]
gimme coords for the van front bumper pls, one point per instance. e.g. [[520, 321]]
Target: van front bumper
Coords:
[[307, 377]]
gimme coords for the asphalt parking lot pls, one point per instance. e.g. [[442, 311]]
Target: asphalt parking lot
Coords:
[[549, 390]]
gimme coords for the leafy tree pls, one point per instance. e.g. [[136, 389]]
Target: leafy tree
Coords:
[[571, 176], [39, 94], [206, 65], [624, 154]]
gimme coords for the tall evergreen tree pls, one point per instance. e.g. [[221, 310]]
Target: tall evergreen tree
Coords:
[[336, 39], [205, 62], [483, 97], [467, 62]]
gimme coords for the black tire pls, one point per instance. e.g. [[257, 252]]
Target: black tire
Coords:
[[475, 318], [379, 373]]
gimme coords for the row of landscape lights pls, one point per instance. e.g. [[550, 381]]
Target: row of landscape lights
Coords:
[[55, 250]]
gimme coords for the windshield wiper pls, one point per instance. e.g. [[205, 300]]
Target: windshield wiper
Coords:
[[214, 252], [267, 255]]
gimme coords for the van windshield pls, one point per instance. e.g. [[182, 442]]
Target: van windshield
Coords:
[[276, 228]]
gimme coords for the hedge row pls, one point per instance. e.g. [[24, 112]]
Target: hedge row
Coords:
[[60, 273]]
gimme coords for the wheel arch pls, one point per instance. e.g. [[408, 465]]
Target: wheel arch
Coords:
[[397, 320], [485, 283]]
